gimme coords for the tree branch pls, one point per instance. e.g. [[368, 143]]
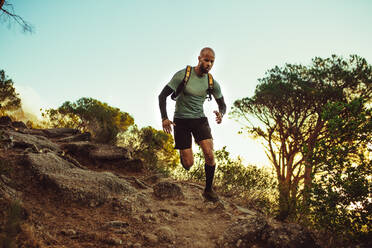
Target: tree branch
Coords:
[[11, 15]]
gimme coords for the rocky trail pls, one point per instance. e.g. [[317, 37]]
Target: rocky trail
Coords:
[[76, 193]]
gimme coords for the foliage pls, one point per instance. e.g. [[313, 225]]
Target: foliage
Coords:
[[153, 146], [9, 99], [286, 113], [88, 114], [233, 178], [341, 195]]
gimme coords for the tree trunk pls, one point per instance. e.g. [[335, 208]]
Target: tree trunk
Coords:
[[307, 187], [287, 200], [283, 200], [1, 3]]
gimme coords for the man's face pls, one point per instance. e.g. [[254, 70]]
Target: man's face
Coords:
[[206, 60]]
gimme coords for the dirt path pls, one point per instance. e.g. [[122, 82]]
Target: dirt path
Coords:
[[143, 221]]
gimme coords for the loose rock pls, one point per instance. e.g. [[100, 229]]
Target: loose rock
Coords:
[[165, 190]]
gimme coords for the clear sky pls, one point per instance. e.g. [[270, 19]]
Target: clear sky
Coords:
[[123, 52]]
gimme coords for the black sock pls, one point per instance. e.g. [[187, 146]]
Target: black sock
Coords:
[[209, 174]]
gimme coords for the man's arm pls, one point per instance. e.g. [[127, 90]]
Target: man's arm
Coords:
[[221, 105], [163, 109], [163, 101], [221, 110]]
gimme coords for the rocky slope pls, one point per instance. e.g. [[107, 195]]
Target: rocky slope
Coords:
[[76, 193]]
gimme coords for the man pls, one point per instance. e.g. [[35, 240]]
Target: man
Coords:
[[189, 118]]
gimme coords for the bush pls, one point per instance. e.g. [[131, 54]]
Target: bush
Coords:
[[87, 114], [152, 146], [341, 195]]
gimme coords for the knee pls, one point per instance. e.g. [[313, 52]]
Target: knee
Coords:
[[187, 162], [209, 158]]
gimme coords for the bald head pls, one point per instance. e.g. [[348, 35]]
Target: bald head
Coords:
[[206, 50], [206, 60]]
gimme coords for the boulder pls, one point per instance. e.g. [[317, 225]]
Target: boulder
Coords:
[[5, 121], [80, 148], [257, 230], [23, 141], [60, 132], [133, 165], [109, 153], [77, 137], [288, 235], [165, 190], [74, 184], [32, 131], [19, 124]]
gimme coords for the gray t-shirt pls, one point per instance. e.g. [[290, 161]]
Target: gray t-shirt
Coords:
[[189, 103]]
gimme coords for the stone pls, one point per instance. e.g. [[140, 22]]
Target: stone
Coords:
[[19, 124], [245, 210], [81, 148], [149, 218], [164, 190], [133, 165], [151, 238], [288, 235], [69, 232], [255, 229], [78, 137], [248, 230], [23, 141], [137, 245], [109, 153], [74, 184], [154, 178], [165, 233], [38, 132], [5, 121], [114, 241], [60, 132], [116, 224]]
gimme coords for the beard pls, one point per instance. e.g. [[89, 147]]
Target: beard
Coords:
[[204, 69]]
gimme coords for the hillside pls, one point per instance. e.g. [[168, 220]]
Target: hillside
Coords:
[[72, 192]]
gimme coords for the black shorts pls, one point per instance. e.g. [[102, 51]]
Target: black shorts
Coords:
[[199, 128]]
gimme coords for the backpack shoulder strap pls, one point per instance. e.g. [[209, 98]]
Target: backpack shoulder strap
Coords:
[[182, 85], [187, 74], [210, 86]]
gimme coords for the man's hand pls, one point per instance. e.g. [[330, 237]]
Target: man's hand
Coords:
[[218, 117], [167, 125]]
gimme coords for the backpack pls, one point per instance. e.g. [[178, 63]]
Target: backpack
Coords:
[[182, 85]]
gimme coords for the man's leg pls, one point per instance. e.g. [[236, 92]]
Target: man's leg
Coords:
[[207, 148], [182, 138], [187, 158], [210, 167]]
